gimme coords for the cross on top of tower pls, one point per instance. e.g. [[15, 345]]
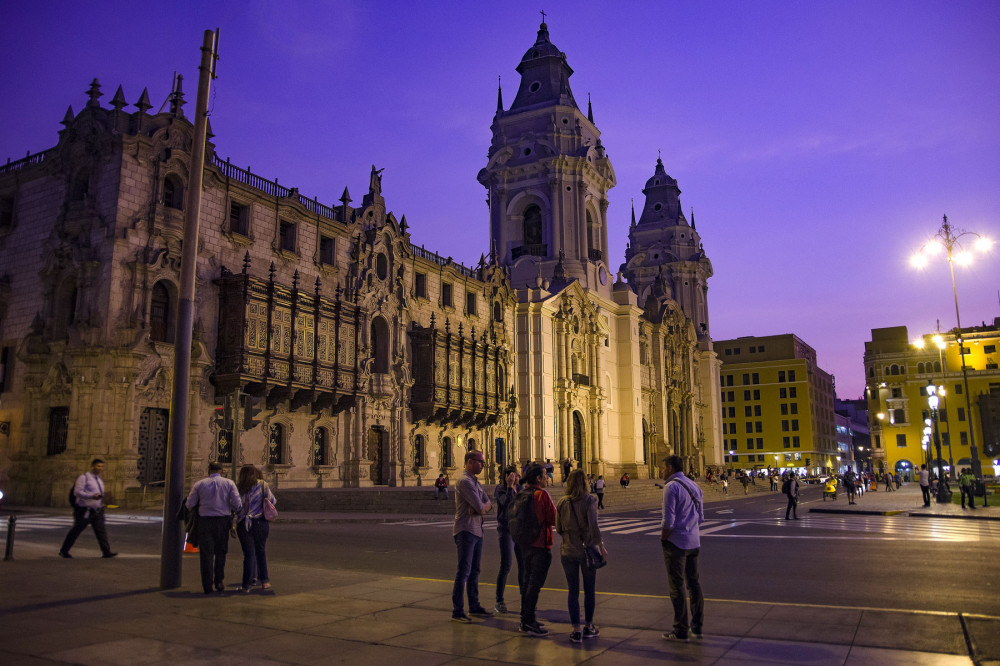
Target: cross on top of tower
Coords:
[[543, 16]]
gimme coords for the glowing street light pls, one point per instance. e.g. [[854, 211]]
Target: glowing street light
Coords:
[[948, 239], [933, 400]]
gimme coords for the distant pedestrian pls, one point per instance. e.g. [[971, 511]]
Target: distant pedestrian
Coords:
[[599, 487], [850, 486], [791, 490], [441, 486], [549, 470], [680, 537], [966, 482], [725, 483], [216, 499], [745, 480], [624, 480], [924, 478], [576, 522], [88, 510], [537, 556], [567, 465], [503, 496], [888, 482], [252, 528], [897, 479], [471, 504]]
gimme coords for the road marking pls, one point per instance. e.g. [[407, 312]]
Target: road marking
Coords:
[[30, 523]]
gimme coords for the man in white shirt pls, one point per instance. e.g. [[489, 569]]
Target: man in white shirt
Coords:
[[88, 510], [925, 484], [216, 500]]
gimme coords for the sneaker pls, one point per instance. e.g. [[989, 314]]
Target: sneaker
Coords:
[[66, 556], [461, 618], [532, 629], [591, 631], [480, 611], [500, 608], [108, 555], [576, 637], [697, 634], [674, 636]]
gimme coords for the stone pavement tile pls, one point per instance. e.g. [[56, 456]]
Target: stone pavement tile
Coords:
[[307, 601], [354, 589], [344, 607], [363, 629], [632, 603], [732, 609], [755, 650], [65, 638], [551, 649], [415, 615], [909, 631], [442, 602], [288, 619], [809, 615], [131, 651], [386, 654], [450, 637], [24, 660], [810, 632], [985, 635], [869, 656], [711, 646], [401, 596], [205, 632], [294, 648]]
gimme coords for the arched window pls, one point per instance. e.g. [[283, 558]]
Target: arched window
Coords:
[[380, 344], [532, 225], [472, 444], [447, 460], [419, 452], [81, 186], [497, 312], [276, 444], [64, 313], [937, 366], [319, 446], [173, 192], [161, 316]]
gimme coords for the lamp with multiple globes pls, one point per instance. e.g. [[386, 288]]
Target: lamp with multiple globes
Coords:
[[949, 240]]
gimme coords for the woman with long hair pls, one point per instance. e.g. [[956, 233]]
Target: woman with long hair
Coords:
[[252, 528], [503, 496], [576, 522]]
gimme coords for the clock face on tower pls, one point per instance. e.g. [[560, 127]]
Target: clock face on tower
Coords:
[[602, 275]]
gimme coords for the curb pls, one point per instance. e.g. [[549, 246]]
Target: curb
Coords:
[[861, 512], [965, 517]]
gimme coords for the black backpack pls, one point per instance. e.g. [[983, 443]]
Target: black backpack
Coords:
[[72, 497], [786, 487], [522, 523]]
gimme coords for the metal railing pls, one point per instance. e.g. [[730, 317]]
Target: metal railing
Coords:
[[24, 162]]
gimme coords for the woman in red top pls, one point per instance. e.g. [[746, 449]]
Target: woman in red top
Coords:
[[538, 556]]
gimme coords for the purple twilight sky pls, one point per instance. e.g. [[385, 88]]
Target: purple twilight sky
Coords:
[[818, 142]]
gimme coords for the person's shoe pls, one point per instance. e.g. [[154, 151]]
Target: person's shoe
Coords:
[[500, 608], [576, 637], [461, 618], [674, 636], [591, 632], [480, 611], [265, 586], [109, 555], [66, 556], [220, 588], [697, 634], [533, 629], [243, 590]]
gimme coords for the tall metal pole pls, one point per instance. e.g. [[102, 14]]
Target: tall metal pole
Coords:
[[173, 538]]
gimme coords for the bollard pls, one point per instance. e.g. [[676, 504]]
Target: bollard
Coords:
[[8, 554]]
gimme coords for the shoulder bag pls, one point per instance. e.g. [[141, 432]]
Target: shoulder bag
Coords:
[[592, 554], [269, 512]]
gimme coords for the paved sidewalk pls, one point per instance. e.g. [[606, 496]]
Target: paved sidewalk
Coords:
[[907, 500], [106, 612]]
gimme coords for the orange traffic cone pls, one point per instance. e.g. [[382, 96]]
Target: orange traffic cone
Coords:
[[188, 548]]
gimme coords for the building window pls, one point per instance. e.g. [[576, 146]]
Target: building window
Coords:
[[239, 219], [498, 317], [795, 424], [722, 396], [749, 426], [756, 394], [791, 375], [380, 345], [746, 378], [532, 225], [749, 443], [784, 409], [795, 442], [753, 349], [381, 266], [729, 380], [781, 375], [327, 250], [420, 285], [746, 396], [961, 413], [747, 411], [58, 430], [80, 187], [732, 412], [319, 446], [173, 192], [731, 396], [795, 408], [756, 410], [161, 316], [6, 368], [901, 440], [276, 444], [419, 452], [758, 426], [784, 425], [958, 389], [792, 392], [760, 349], [446, 295], [6, 212], [470, 304], [286, 236], [755, 378], [963, 438], [447, 460], [760, 443]]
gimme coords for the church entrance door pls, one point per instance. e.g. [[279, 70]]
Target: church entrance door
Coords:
[[577, 438], [152, 463], [378, 450]]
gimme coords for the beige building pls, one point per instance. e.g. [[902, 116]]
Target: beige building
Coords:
[[328, 348], [777, 406]]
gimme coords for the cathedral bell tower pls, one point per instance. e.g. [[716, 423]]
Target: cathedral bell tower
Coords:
[[665, 257], [548, 179]]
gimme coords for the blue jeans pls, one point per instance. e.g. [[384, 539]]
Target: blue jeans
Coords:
[[573, 568], [252, 542], [470, 550], [507, 553]]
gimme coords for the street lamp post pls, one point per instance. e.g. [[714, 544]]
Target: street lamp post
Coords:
[[933, 397], [949, 239]]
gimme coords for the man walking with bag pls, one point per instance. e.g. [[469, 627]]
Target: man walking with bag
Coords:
[[88, 510], [683, 512]]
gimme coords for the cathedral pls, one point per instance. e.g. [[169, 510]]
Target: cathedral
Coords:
[[330, 349]]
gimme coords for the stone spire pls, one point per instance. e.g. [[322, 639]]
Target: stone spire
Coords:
[[93, 93], [590, 110]]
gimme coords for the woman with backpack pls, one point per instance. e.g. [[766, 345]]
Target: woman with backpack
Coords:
[[576, 522], [252, 527]]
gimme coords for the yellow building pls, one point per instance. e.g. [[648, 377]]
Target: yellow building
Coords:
[[777, 405], [898, 372]]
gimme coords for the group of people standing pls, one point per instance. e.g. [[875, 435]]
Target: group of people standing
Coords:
[[520, 499]]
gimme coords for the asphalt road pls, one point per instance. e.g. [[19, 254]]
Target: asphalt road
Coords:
[[748, 553]]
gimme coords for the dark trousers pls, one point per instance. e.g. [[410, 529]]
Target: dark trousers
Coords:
[[682, 568], [470, 551], [507, 554], [536, 568], [967, 492], [926, 492], [792, 508], [213, 544], [851, 492], [600, 499], [82, 518], [253, 542], [573, 569]]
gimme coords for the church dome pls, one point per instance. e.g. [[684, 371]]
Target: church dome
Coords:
[[542, 47]]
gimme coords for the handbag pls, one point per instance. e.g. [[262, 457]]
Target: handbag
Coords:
[[592, 554], [270, 513]]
